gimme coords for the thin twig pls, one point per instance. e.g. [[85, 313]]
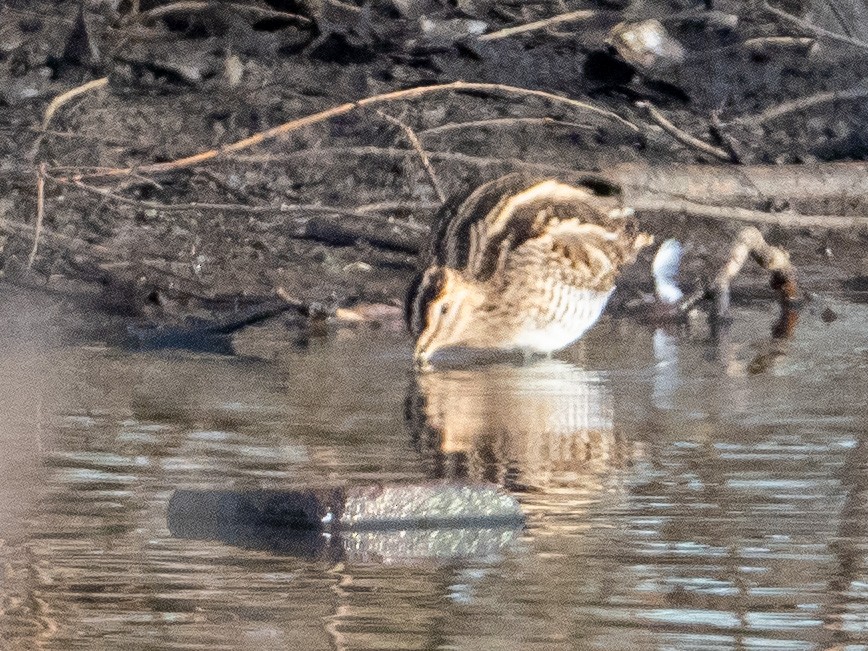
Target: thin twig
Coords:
[[682, 136], [68, 134], [63, 98], [832, 6], [345, 6], [804, 103], [192, 7], [381, 206], [493, 122], [294, 125], [704, 16], [57, 103], [572, 16], [40, 213], [417, 145], [234, 207], [395, 152], [763, 43], [169, 207], [726, 213], [810, 27]]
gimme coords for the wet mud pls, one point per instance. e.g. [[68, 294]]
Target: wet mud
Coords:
[[336, 213]]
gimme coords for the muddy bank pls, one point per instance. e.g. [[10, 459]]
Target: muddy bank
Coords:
[[335, 210]]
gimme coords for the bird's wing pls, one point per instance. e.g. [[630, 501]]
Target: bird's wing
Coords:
[[549, 208], [462, 221], [486, 213], [597, 251]]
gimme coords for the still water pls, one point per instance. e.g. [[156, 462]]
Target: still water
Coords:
[[678, 492]]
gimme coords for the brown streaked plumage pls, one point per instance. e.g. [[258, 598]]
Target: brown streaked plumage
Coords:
[[521, 264]]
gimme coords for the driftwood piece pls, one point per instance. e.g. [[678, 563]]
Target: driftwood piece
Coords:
[[751, 244], [839, 190], [831, 195]]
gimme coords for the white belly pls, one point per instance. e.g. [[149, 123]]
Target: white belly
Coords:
[[572, 316]]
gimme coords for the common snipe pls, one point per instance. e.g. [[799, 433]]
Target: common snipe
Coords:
[[521, 264]]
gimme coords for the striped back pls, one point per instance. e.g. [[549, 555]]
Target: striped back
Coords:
[[465, 224]]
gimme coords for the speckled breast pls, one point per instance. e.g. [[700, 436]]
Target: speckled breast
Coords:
[[556, 308], [568, 313]]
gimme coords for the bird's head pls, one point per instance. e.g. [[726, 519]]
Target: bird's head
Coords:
[[444, 313]]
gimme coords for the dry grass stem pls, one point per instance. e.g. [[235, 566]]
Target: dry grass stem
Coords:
[[40, 214], [570, 17], [682, 136], [810, 27], [496, 122], [804, 103], [55, 105], [763, 43], [417, 145], [294, 125], [63, 98], [386, 206]]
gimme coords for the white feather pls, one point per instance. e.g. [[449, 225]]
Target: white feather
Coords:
[[665, 270]]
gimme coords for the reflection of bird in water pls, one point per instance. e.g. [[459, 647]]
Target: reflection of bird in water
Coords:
[[540, 427], [521, 265]]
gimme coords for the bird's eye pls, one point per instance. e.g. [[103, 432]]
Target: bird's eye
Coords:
[[444, 309]]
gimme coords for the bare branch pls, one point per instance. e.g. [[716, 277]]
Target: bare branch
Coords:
[[294, 125], [493, 122], [683, 136], [804, 103], [417, 145], [810, 27], [570, 17], [232, 207]]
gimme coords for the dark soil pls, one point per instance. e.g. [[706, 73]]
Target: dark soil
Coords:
[[336, 212]]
